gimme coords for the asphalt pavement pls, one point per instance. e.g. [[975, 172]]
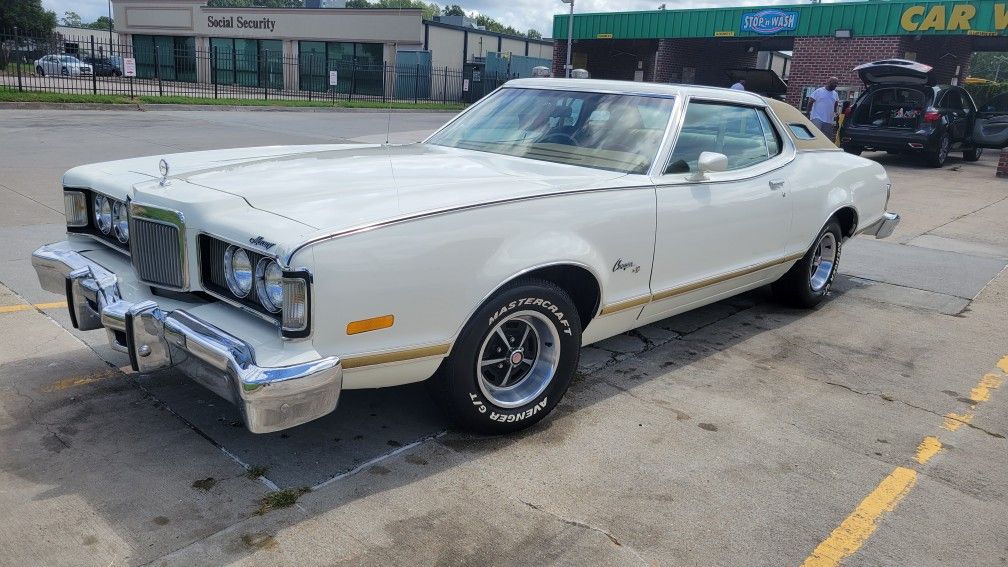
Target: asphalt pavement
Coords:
[[743, 433]]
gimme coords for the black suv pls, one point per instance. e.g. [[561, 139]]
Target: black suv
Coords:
[[903, 111]]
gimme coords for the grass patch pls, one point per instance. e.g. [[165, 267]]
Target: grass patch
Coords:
[[15, 96], [256, 472], [11, 68], [281, 499]]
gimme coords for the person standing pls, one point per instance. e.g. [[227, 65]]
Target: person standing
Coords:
[[739, 85], [824, 107]]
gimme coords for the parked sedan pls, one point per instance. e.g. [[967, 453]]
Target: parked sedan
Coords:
[[103, 66], [552, 214], [904, 111], [61, 65]]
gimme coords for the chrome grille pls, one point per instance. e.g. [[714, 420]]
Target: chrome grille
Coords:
[[157, 253]]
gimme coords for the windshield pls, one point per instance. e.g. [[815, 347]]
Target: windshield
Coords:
[[616, 132], [68, 59]]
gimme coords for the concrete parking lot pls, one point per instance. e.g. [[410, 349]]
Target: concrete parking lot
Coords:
[[869, 431]]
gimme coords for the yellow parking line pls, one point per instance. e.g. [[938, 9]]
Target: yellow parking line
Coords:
[[928, 448], [83, 380], [26, 306], [851, 534], [981, 392]]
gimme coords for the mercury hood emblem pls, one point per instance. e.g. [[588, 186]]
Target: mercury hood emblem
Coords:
[[163, 168]]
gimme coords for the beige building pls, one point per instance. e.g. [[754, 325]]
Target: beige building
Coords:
[[297, 48]]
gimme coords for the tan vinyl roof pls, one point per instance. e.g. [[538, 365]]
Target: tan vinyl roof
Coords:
[[791, 115]]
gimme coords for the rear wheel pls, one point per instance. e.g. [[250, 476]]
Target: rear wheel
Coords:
[[937, 158], [513, 361], [808, 282], [39, 71], [64, 71], [972, 154]]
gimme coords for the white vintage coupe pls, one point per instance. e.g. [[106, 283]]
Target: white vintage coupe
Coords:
[[552, 214]]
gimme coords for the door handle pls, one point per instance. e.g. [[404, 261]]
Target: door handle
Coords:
[[776, 184]]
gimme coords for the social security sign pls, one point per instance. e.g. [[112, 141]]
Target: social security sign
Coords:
[[767, 22]]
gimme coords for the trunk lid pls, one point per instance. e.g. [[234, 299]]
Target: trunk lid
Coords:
[[895, 72]]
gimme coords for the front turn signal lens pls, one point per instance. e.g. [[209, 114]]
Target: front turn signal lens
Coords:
[[75, 206], [295, 321]]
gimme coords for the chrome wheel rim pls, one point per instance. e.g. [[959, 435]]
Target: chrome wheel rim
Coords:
[[518, 359], [823, 261]]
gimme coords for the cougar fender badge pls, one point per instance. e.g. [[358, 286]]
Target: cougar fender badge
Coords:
[[261, 242], [621, 266], [163, 168]]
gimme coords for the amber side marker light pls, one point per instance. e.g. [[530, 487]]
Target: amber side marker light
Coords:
[[372, 324]]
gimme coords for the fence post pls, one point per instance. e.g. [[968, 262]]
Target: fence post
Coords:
[[213, 70], [416, 84], [17, 60], [444, 93], [385, 85], [157, 70], [353, 79], [263, 65], [94, 76]]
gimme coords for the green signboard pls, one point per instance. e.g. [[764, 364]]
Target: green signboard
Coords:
[[863, 19]]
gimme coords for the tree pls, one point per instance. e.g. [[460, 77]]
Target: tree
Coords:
[[454, 10], [989, 65], [102, 23], [533, 34], [72, 19], [28, 15]]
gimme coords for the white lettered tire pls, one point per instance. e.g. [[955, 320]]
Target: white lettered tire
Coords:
[[513, 360]]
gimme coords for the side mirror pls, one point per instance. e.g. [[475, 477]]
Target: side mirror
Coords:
[[708, 162]]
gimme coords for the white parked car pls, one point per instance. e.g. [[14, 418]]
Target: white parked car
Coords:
[[551, 214], [61, 65]]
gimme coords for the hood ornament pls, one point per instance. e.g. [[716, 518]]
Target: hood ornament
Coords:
[[163, 168]]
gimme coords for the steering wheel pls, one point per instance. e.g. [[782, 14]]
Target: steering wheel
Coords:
[[558, 137]]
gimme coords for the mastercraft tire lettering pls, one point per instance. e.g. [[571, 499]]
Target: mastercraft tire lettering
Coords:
[[513, 360]]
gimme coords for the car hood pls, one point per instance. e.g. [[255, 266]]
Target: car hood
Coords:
[[342, 186]]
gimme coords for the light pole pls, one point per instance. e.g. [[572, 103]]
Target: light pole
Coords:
[[110, 40], [570, 37]]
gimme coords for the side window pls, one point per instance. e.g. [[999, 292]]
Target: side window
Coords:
[[952, 100], [740, 132]]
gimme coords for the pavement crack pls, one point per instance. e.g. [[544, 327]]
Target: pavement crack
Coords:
[[583, 525]]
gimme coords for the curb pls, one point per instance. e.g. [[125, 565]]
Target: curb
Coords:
[[141, 107]]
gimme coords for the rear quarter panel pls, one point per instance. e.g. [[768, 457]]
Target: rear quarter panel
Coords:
[[823, 182]]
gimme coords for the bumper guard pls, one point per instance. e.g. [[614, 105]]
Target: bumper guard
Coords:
[[270, 398]]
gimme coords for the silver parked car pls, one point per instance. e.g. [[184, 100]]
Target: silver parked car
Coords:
[[61, 65]]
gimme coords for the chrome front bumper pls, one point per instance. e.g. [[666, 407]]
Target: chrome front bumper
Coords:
[[884, 227], [270, 398]]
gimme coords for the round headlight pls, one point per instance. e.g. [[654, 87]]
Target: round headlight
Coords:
[[238, 271], [120, 222], [269, 286], [103, 213]]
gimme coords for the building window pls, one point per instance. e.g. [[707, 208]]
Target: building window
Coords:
[[175, 55], [359, 66], [248, 62]]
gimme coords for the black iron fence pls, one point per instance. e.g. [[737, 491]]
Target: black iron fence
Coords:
[[174, 67]]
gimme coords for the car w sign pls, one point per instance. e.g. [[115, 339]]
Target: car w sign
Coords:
[[767, 22]]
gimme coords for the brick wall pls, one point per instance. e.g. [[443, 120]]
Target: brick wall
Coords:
[[559, 57], [1002, 168], [708, 58], [944, 54], [815, 59]]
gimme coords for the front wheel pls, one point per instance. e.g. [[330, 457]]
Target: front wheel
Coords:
[[513, 360], [808, 282], [972, 154], [854, 150], [64, 71]]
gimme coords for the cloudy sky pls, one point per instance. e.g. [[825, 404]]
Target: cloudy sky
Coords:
[[522, 14]]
